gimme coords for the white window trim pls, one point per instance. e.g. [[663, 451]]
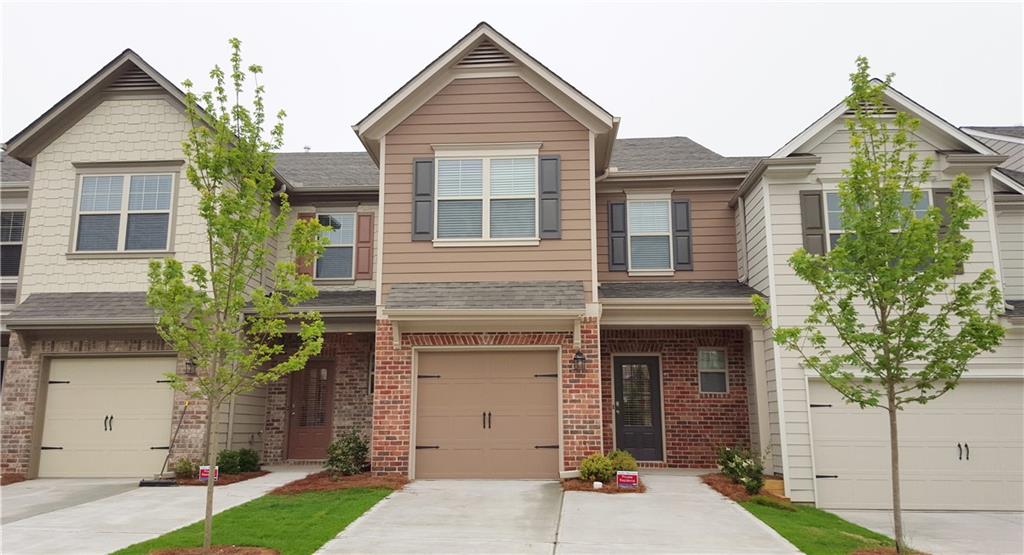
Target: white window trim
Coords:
[[24, 223], [723, 371], [650, 196], [829, 231], [355, 232], [124, 212], [485, 153]]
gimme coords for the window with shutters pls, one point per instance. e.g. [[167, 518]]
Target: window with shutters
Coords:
[[834, 212], [490, 198], [124, 213], [12, 234], [337, 261], [712, 370], [650, 235]]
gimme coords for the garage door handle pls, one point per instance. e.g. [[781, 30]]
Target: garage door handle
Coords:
[[960, 450], [111, 422], [488, 421], [106, 422], [483, 420], [968, 449]]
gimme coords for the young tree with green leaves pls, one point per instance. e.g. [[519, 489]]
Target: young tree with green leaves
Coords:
[[219, 314], [905, 321]]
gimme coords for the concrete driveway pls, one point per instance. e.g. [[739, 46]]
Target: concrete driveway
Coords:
[[116, 521], [678, 514], [34, 497], [949, 533]]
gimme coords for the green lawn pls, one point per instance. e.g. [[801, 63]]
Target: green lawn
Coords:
[[817, 532], [291, 524]]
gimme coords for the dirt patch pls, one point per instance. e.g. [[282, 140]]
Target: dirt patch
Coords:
[[216, 550], [11, 479], [224, 480], [575, 484], [322, 481]]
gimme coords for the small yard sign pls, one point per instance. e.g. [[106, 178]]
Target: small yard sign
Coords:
[[204, 473], [627, 478]]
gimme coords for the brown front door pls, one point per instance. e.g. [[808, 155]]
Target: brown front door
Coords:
[[311, 411]]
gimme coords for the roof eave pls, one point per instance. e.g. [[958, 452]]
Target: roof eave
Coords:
[[763, 165]]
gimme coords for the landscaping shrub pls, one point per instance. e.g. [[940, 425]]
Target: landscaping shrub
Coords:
[[347, 455], [622, 460], [743, 467], [597, 468], [248, 460], [773, 502], [227, 461], [186, 469]]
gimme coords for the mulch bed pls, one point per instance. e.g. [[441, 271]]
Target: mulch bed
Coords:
[[722, 484], [322, 481], [11, 479], [575, 484], [216, 550], [224, 480]]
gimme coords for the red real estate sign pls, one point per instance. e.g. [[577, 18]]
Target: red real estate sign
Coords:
[[204, 473], [627, 478]]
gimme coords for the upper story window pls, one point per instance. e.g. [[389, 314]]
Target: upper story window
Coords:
[[712, 370], [650, 234], [12, 234], [337, 260], [486, 198], [130, 212], [834, 212]]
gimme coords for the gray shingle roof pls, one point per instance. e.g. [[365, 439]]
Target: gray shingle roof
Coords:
[[1012, 174], [672, 153], [12, 170], [566, 295], [344, 299], [1008, 130], [127, 307], [328, 169], [675, 289], [1016, 309]]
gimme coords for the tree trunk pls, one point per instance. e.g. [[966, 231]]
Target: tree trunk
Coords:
[[211, 434], [894, 458]]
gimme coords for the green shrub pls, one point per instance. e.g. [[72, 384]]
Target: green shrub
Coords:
[[773, 502], [185, 469], [622, 460], [248, 460], [743, 467], [347, 455], [227, 462], [597, 468]]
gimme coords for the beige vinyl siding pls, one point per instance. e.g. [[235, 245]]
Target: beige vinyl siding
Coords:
[[487, 110], [1010, 225], [757, 252], [245, 416], [714, 237], [1015, 151]]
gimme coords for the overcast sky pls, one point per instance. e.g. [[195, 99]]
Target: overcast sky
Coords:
[[740, 78]]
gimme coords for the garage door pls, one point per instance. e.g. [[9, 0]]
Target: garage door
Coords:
[[964, 450], [106, 417], [487, 414]]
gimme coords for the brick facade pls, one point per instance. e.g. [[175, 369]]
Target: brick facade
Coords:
[[695, 423], [353, 403], [392, 403]]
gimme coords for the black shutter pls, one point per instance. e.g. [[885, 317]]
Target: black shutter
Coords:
[[618, 237], [682, 236], [422, 200], [549, 186], [812, 222]]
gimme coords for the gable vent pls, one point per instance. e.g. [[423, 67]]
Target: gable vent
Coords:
[[133, 79], [886, 110], [486, 54]]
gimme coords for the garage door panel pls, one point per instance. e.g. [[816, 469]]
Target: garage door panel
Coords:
[[515, 462]]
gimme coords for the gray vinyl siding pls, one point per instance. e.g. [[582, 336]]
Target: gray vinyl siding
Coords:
[[757, 252], [1010, 225], [248, 415]]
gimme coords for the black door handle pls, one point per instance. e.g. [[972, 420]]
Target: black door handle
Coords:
[[960, 450], [111, 422], [967, 448], [483, 420], [106, 421], [488, 420]]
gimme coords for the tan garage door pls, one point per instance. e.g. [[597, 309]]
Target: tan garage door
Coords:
[[487, 414], [963, 451], [104, 416]]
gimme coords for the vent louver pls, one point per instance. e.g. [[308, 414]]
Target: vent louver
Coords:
[[133, 79], [486, 54], [886, 110]]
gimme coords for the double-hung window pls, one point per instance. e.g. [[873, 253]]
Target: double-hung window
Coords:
[[650, 235], [337, 260], [712, 370], [124, 213], [834, 212], [486, 198], [12, 233]]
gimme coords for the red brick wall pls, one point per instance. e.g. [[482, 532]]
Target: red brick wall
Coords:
[[695, 423], [392, 403]]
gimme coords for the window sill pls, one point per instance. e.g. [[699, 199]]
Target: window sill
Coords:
[[105, 255], [333, 281], [651, 273], [486, 242]]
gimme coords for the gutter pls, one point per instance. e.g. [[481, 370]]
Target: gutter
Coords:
[[481, 313], [716, 173]]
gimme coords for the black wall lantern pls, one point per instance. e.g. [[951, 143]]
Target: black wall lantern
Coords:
[[579, 362], [190, 367]]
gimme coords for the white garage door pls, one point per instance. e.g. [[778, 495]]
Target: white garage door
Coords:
[[106, 417], [963, 451]]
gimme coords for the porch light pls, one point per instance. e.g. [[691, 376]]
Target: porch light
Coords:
[[190, 367], [579, 361]]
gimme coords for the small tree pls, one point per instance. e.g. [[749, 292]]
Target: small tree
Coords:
[[890, 289], [218, 314]]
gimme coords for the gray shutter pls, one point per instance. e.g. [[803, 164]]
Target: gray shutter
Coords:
[[549, 186], [422, 200], [618, 237], [682, 237], [812, 222]]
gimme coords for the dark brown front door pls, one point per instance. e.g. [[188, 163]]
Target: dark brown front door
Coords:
[[311, 411], [638, 407]]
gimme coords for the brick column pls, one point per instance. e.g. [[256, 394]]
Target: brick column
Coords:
[[20, 395], [581, 398], [392, 404]]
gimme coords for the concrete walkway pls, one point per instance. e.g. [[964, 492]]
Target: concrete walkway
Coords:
[[949, 533], [117, 521]]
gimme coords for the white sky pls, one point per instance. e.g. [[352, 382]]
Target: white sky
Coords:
[[740, 78]]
